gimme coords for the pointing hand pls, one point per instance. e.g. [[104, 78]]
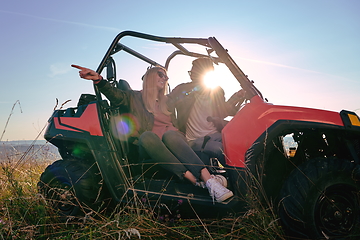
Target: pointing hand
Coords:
[[87, 73]]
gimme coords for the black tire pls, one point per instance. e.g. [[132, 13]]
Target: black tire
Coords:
[[320, 199], [72, 187]]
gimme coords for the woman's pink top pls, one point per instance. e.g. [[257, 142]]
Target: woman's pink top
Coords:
[[162, 123]]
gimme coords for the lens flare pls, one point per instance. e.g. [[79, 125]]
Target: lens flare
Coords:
[[124, 126], [78, 151], [211, 80]]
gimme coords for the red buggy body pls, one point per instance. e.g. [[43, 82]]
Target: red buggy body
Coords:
[[256, 118]]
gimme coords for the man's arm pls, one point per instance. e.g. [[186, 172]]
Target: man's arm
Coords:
[[235, 101], [227, 108]]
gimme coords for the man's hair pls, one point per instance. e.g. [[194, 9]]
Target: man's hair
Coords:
[[203, 64]]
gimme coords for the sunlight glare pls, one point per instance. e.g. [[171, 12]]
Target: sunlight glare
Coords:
[[221, 76], [211, 79]]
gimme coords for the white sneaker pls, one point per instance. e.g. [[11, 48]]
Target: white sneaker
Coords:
[[220, 178], [217, 191]]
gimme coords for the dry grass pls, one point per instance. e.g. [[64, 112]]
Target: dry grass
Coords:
[[24, 214]]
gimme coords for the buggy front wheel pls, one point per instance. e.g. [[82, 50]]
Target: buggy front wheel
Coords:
[[320, 199], [72, 187]]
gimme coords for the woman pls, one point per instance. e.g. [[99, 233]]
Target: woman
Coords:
[[158, 139]]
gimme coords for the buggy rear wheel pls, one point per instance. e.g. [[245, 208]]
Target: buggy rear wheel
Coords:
[[320, 199], [72, 187]]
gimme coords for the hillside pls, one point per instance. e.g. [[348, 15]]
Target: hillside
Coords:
[[27, 149]]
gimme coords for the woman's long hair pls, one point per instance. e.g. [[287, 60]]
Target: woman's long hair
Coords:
[[150, 93]]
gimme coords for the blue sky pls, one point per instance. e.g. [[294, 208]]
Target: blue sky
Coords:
[[301, 53]]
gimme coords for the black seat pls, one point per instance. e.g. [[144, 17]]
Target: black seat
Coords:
[[123, 85]]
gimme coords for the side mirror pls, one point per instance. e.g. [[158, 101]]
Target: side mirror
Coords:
[[111, 71]]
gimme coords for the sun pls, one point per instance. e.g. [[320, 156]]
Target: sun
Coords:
[[221, 76], [211, 80]]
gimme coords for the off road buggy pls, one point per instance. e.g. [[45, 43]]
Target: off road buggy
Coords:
[[303, 161]]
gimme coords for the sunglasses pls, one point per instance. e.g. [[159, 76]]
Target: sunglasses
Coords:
[[162, 75]]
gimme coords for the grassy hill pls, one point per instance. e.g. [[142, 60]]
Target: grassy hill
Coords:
[[29, 149]]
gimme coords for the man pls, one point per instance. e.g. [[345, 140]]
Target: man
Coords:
[[197, 105]]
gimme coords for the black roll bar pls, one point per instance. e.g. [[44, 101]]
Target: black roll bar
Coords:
[[138, 55], [210, 42]]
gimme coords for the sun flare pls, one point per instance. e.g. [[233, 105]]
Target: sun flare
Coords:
[[221, 76], [211, 79]]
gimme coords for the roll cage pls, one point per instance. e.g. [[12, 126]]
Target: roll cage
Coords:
[[211, 45]]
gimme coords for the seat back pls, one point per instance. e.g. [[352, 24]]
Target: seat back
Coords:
[[123, 85]]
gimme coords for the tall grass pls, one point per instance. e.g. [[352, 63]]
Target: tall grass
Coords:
[[24, 214]]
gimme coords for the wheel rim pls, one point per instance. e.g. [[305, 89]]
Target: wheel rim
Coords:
[[336, 212]]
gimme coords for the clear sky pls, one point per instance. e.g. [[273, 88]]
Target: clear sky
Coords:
[[301, 52]]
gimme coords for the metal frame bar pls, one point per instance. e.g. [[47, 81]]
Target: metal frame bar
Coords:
[[211, 43]]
